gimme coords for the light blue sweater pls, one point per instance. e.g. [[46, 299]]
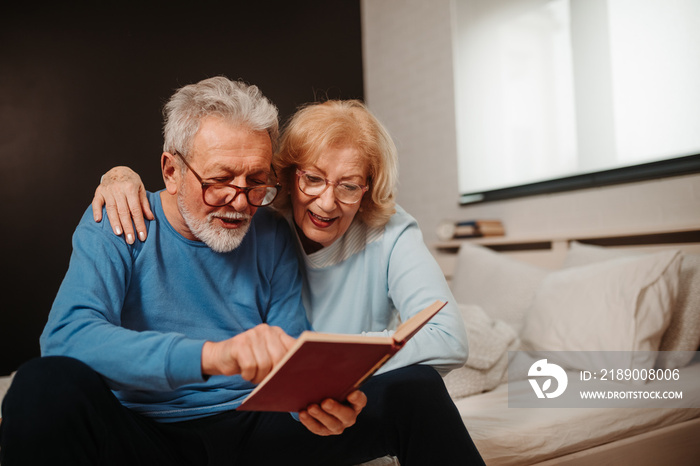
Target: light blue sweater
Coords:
[[139, 314], [371, 278]]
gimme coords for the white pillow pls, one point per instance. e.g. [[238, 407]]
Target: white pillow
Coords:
[[502, 286], [585, 254], [619, 305], [683, 334]]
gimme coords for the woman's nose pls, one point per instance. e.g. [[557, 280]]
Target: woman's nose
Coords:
[[326, 200]]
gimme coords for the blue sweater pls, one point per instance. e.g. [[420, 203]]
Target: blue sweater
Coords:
[[139, 314], [370, 279]]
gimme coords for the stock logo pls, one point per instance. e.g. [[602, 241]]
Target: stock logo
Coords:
[[551, 371]]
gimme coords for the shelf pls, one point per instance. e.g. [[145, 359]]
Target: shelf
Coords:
[[661, 235]]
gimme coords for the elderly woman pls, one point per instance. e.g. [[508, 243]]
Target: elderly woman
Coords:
[[364, 263]]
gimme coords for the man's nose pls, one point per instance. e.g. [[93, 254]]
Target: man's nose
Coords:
[[240, 202]]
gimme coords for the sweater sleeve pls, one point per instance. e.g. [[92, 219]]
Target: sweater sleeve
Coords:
[[415, 281], [85, 320], [286, 308]]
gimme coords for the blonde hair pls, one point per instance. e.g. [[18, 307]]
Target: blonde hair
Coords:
[[341, 123]]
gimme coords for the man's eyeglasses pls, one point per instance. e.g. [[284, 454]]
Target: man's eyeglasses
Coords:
[[312, 184], [221, 194]]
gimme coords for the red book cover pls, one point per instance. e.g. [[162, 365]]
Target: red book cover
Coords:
[[324, 365]]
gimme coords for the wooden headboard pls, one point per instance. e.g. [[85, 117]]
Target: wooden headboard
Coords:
[[550, 252]]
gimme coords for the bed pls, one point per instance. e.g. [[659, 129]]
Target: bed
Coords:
[[636, 292], [504, 287]]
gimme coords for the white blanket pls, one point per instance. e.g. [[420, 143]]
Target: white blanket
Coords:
[[489, 343]]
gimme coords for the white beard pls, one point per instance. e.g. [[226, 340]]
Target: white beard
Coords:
[[217, 238]]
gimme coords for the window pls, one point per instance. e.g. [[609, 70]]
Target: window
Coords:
[[564, 94]]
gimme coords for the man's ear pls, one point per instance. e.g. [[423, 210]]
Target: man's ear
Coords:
[[171, 172]]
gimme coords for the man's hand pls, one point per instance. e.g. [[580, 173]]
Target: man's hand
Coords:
[[255, 352], [332, 417], [252, 353], [124, 195]]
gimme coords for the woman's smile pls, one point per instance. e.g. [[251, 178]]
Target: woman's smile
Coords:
[[321, 222]]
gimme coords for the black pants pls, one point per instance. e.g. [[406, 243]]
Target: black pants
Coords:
[[59, 411]]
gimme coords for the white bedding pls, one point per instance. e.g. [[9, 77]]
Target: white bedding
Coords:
[[521, 436], [4, 385]]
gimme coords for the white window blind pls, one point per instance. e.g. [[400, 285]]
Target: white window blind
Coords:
[[549, 89]]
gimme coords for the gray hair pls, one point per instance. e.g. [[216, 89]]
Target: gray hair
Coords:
[[234, 101]]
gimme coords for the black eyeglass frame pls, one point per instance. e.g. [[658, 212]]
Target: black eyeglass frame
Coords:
[[245, 190]]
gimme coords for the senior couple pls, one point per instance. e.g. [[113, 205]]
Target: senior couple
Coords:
[[153, 342]]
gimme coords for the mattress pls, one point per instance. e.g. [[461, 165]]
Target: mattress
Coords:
[[521, 436]]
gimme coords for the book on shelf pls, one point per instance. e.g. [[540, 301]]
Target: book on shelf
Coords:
[[327, 365], [470, 229]]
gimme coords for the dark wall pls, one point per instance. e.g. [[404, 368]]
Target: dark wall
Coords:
[[81, 90]]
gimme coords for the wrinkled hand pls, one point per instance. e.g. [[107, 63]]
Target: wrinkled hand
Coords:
[[332, 417], [124, 195], [252, 354]]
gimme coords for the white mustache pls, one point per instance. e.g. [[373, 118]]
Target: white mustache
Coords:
[[230, 215]]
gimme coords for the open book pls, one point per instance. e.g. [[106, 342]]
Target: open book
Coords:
[[326, 365]]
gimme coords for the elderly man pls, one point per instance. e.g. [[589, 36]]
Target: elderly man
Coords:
[[150, 347]]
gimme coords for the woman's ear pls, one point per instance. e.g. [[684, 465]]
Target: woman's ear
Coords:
[[171, 172]]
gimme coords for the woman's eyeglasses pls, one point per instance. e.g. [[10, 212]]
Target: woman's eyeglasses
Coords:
[[346, 192]]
